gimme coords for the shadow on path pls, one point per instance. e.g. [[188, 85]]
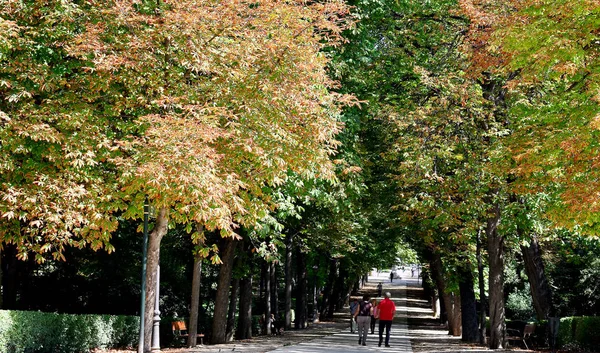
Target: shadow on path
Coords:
[[427, 333]]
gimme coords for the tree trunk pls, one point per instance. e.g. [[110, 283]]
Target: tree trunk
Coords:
[[455, 319], [231, 311], [219, 326], [301, 290], [274, 292], [154, 239], [233, 300], [288, 281], [195, 302], [437, 307], [496, 280], [470, 329], [328, 292], [244, 330], [541, 293], [451, 301], [262, 291], [267, 312], [336, 294], [355, 287], [340, 291], [482, 299]]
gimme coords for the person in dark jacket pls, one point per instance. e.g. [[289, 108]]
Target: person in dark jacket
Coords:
[[363, 319]]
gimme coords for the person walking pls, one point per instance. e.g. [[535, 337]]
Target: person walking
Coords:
[[353, 311], [379, 289], [374, 315], [392, 276], [386, 309], [363, 317]]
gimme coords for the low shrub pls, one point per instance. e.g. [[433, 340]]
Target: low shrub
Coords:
[[38, 332], [565, 332], [580, 332], [587, 332]]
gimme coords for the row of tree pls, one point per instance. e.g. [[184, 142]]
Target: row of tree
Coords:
[[220, 114], [474, 140], [480, 130]]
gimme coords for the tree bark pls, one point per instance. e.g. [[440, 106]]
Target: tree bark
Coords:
[[301, 290], [231, 311], [328, 292], [262, 292], [470, 328], [356, 286], [219, 326], [195, 302], [245, 319], [233, 300], [496, 280], [340, 298], [451, 301], [288, 281], [267, 312], [437, 307], [274, 291], [482, 298], [541, 293], [154, 239], [455, 315]]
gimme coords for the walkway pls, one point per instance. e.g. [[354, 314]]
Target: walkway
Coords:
[[346, 342], [426, 334]]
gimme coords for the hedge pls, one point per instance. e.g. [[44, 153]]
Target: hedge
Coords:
[[38, 332], [579, 332]]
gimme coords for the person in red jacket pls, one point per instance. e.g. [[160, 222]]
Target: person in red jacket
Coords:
[[387, 309]]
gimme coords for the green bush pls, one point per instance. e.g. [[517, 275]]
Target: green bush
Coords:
[[587, 332], [580, 332], [565, 332], [519, 305], [38, 332]]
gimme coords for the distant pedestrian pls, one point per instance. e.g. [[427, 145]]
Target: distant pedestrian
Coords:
[[353, 308], [386, 309], [412, 271], [363, 318], [374, 315], [392, 276], [379, 289]]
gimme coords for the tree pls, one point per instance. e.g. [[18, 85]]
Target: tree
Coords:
[[195, 112], [545, 48], [56, 176]]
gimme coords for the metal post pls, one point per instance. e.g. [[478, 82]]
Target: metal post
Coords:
[[143, 287], [156, 319]]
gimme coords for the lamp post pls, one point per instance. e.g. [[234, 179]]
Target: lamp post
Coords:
[[156, 318], [143, 291], [315, 297]]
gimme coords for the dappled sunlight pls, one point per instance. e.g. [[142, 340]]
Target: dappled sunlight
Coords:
[[347, 342]]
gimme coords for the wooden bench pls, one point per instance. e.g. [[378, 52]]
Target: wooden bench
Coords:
[[515, 335], [180, 331]]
